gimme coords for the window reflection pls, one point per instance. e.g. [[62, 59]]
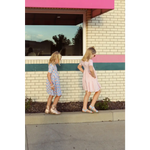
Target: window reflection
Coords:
[[63, 33]]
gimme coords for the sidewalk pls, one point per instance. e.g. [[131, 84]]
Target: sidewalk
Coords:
[[75, 131], [74, 117], [76, 136]]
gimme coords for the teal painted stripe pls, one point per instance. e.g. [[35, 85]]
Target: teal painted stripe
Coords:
[[73, 67], [36, 67], [109, 66]]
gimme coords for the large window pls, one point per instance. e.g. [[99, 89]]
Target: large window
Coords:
[[49, 32]]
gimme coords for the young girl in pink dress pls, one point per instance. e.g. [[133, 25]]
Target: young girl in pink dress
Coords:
[[89, 80]]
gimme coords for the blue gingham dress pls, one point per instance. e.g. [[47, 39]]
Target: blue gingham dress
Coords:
[[55, 80]]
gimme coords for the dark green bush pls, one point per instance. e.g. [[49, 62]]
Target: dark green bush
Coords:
[[103, 105]]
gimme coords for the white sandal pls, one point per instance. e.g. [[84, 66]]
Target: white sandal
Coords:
[[92, 108], [86, 111], [47, 110], [54, 111]]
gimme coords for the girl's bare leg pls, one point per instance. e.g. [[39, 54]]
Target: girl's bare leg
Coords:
[[95, 97], [49, 101], [53, 109], [85, 101], [56, 100]]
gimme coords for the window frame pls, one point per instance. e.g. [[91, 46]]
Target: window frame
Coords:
[[60, 11]]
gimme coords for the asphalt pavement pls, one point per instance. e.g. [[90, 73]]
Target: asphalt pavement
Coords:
[[76, 136]]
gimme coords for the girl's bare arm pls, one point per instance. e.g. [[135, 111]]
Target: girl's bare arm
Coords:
[[49, 79], [92, 71], [80, 68]]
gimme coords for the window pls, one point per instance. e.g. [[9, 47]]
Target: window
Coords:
[[49, 32]]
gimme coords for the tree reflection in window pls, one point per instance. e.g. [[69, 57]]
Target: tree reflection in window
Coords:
[[68, 39]]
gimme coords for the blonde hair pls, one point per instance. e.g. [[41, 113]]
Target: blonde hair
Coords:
[[89, 52], [54, 56]]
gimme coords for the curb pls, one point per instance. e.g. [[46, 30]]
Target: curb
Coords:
[[74, 117]]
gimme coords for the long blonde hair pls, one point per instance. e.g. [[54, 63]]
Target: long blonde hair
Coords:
[[89, 52], [54, 56]]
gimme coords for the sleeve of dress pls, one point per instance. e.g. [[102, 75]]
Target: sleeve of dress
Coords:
[[50, 68], [90, 62], [80, 63]]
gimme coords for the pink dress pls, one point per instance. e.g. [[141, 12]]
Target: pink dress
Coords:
[[89, 83]]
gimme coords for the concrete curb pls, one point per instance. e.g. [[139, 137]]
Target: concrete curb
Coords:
[[74, 117]]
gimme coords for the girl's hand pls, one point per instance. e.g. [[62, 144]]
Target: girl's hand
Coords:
[[52, 87], [92, 75]]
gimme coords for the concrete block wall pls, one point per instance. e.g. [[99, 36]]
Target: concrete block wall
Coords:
[[107, 33], [112, 83]]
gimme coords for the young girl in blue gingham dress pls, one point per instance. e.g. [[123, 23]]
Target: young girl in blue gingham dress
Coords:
[[52, 84], [52, 69]]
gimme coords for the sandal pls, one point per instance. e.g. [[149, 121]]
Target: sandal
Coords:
[[54, 111], [47, 111], [86, 111], [93, 109]]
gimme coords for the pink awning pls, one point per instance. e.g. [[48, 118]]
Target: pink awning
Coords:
[[97, 6]]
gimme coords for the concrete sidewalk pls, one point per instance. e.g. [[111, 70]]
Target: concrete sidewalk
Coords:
[[76, 136], [75, 130], [74, 117]]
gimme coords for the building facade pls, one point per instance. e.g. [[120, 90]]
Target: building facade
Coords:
[[106, 32]]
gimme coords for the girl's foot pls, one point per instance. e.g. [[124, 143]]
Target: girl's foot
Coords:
[[93, 109], [54, 111], [86, 111], [47, 110]]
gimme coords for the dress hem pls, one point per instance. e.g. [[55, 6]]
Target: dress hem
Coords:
[[93, 91]]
